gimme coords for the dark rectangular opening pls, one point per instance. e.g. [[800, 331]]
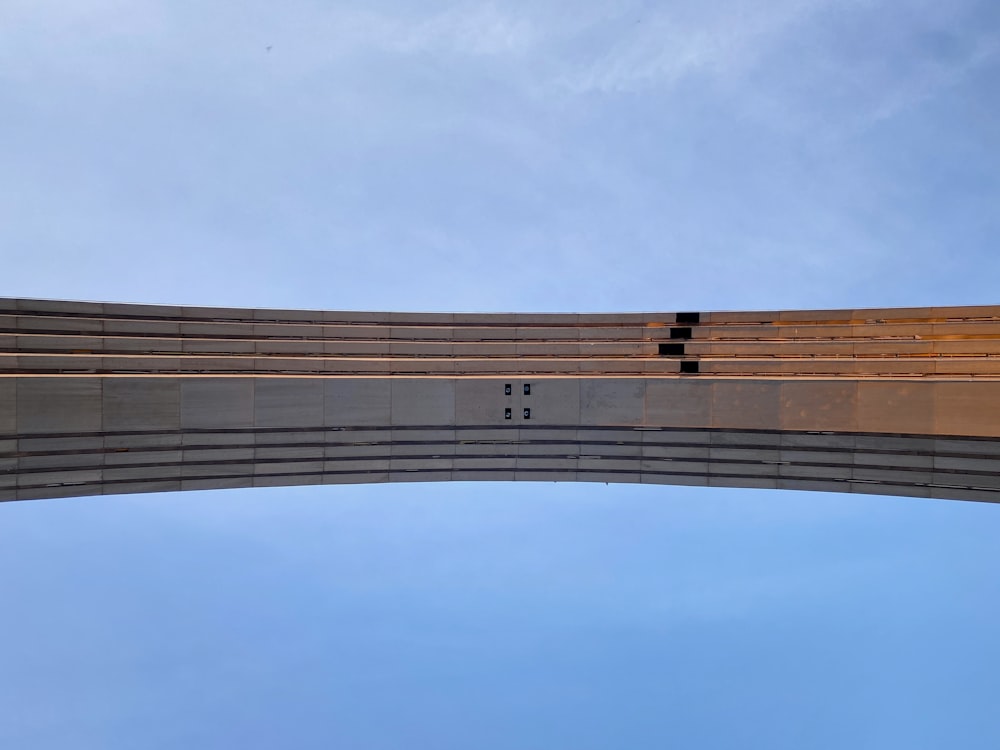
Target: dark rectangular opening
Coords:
[[689, 367], [527, 413], [506, 389], [688, 317], [680, 333], [671, 348], [527, 389], [506, 413]]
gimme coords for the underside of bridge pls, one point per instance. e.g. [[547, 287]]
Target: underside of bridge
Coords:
[[100, 398]]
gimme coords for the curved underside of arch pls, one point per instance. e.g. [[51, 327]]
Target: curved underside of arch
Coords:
[[108, 398]]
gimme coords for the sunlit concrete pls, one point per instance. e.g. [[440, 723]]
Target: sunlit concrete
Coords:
[[111, 398]]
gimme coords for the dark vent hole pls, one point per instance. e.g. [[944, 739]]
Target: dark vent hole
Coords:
[[680, 333], [688, 317], [671, 348], [690, 367]]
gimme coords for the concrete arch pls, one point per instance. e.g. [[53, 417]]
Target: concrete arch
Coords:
[[108, 398]]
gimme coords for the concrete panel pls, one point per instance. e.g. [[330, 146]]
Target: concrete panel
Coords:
[[356, 402], [744, 454], [547, 448], [69, 490], [141, 404], [902, 444], [752, 404], [51, 323], [750, 439], [901, 407], [68, 477], [131, 457], [217, 455], [221, 403], [472, 475], [268, 438], [816, 457], [612, 401], [218, 439], [611, 450], [474, 463], [535, 463], [142, 327], [678, 403], [815, 472], [892, 476], [552, 401], [421, 464], [482, 401], [59, 461], [8, 406], [423, 402], [675, 479], [675, 452], [58, 405], [819, 405], [135, 488], [894, 460], [289, 452], [356, 478], [288, 402], [805, 440], [603, 463], [548, 476], [356, 465], [760, 483], [217, 483], [978, 481], [967, 408], [420, 476], [59, 306], [901, 490], [671, 466], [971, 447], [141, 473], [64, 444], [345, 452], [353, 436], [210, 470], [431, 442], [287, 480], [608, 477], [950, 493]]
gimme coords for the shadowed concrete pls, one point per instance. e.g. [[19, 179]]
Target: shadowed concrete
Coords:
[[110, 398]]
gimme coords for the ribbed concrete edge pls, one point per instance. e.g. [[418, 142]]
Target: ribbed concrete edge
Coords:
[[68, 465]]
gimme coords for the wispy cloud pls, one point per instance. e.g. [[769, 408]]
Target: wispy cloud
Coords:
[[662, 46]]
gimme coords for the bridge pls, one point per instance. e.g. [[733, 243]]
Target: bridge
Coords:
[[102, 398]]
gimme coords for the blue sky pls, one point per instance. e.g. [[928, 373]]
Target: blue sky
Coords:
[[500, 156]]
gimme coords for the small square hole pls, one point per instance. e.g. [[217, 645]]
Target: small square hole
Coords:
[[506, 413], [527, 389], [680, 333], [527, 413], [506, 389], [689, 366], [671, 348]]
